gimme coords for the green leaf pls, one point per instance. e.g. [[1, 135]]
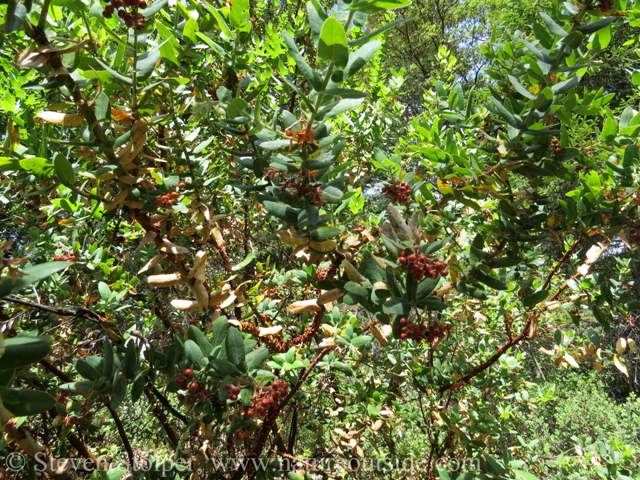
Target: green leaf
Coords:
[[16, 13], [344, 93], [108, 364], [239, 17], [535, 298], [374, 6], [360, 58], [553, 26], [219, 331], [234, 345], [397, 306], [520, 88], [507, 115], [256, 358], [224, 367], [311, 75], [197, 336], [248, 259], [92, 369], [595, 26], [333, 43], [442, 473], [64, 171], [40, 167], [609, 130], [22, 351], [490, 281], [542, 56], [104, 290], [324, 233], [30, 275], [567, 85], [238, 108], [119, 392], [22, 402], [361, 340], [189, 31], [194, 354], [375, 33], [130, 359], [118, 76], [137, 389], [522, 475], [336, 108], [431, 303]]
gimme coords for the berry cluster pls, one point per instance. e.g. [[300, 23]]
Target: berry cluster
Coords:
[[555, 146], [420, 265], [72, 257], [167, 199], [634, 231], [605, 5], [195, 389], [70, 420], [321, 273], [132, 18], [399, 192], [232, 391], [408, 330], [268, 399]]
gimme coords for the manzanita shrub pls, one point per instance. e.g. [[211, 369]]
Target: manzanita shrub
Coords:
[[199, 263]]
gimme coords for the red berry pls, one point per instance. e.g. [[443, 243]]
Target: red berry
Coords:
[[73, 420], [169, 203], [122, 13], [403, 336], [200, 396], [181, 397], [175, 194], [88, 416], [142, 5], [234, 397], [181, 184], [249, 413], [200, 386], [193, 386], [188, 373]]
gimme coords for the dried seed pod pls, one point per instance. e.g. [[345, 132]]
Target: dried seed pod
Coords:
[[167, 246], [118, 200], [292, 238], [199, 263], [399, 225], [330, 296], [131, 150], [352, 272], [303, 306], [165, 280], [324, 247], [153, 262], [201, 294], [219, 295], [185, 305], [59, 118]]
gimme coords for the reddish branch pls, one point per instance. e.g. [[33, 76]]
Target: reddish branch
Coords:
[[162, 418], [163, 400], [493, 359], [123, 434], [562, 261]]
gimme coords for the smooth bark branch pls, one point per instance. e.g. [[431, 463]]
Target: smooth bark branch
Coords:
[[493, 359]]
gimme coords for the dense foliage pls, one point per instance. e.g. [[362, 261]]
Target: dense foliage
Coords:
[[257, 240]]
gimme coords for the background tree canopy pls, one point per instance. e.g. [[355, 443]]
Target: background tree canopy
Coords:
[[369, 239]]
